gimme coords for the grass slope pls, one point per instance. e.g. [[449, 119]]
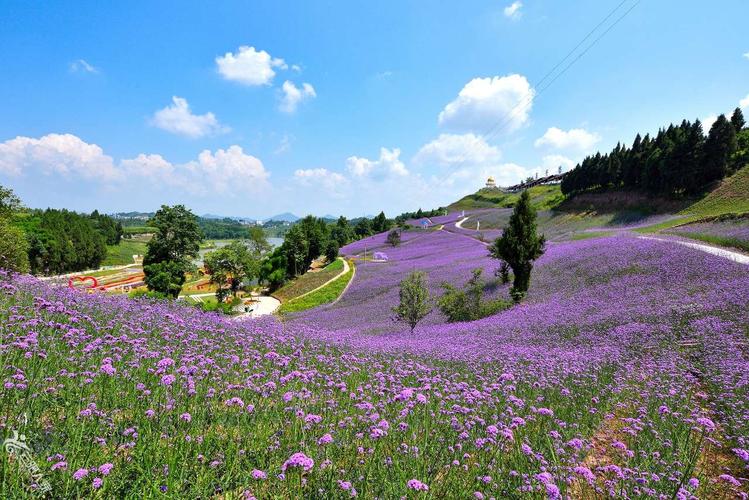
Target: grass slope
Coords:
[[308, 281], [121, 254], [542, 198], [322, 296], [730, 196]]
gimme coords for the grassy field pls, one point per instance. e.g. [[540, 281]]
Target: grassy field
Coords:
[[322, 296], [730, 196], [123, 253], [542, 198], [308, 281], [138, 229]]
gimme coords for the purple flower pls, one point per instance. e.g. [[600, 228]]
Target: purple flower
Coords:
[[80, 474], [417, 485], [105, 469], [298, 459], [186, 417], [325, 439], [97, 482], [168, 380], [258, 474]]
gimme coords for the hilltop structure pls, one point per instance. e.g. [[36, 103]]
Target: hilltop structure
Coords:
[[490, 184]]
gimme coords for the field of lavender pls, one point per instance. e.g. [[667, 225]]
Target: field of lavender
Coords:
[[624, 374], [726, 231]]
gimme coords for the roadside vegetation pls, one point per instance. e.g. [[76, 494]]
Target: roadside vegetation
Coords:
[[309, 281]]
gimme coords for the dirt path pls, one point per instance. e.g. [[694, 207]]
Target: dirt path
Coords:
[[264, 305], [720, 252]]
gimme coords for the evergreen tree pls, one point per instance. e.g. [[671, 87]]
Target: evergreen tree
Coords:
[[737, 120], [719, 147], [380, 223], [520, 245]]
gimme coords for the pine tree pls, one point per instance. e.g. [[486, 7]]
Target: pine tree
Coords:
[[719, 146], [520, 245], [737, 120]]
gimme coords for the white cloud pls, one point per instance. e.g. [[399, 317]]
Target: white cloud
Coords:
[[485, 103], [512, 11], [744, 103], [451, 149], [332, 183], [249, 66], [577, 139], [63, 154], [177, 118], [388, 165], [707, 122], [80, 65], [293, 95], [229, 172], [746, 55], [284, 145], [553, 162]]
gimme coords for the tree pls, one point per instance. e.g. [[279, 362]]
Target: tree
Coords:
[[13, 247], [273, 269], [230, 266], [414, 303], [380, 223], [331, 251], [342, 231], [258, 242], [394, 238], [9, 202], [520, 245], [719, 147], [737, 120], [363, 228], [177, 237], [169, 252], [165, 277]]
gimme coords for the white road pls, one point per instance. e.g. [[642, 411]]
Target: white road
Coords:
[[263, 306], [720, 252], [331, 280]]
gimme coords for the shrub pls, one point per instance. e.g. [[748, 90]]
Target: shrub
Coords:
[[394, 238], [468, 304], [414, 299]]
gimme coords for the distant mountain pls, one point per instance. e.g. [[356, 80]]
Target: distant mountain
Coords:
[[330, 217], [284, 217]]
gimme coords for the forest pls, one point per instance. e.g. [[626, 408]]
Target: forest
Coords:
[[679, 160]]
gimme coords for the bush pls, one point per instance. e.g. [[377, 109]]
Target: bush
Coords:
[[468, 304], [331, 250], [394, 238]]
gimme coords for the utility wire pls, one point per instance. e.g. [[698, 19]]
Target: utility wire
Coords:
[[505, 120]]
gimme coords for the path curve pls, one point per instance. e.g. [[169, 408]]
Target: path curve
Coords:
[[264, 306], [720, 252], [331, 280]]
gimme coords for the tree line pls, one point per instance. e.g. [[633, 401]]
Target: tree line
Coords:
[[52, 241], [679, 160]]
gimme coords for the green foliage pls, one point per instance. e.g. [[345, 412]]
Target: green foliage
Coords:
[[469, 304], [13, 247], [166, 277], [380, 223], [309, 281], [108, 227], [9, 202], [177, 237], [737, 120], [544, 197], [679, 160], [169, 252], [231, 265], [273, 269], [420, 213], [363, 228], [342, 232], [520, 245], [258, 241], [415, 302], [222, 229], [147, 294], [394, 238], [60, 241], [331, 250], [122, 254]]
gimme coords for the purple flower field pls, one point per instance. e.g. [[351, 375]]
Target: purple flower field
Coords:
[[728, 229], [624, 374]]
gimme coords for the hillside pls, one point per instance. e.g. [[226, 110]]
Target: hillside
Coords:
[[542, 198]]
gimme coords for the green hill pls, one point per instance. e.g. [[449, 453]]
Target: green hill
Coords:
[[730, 196], [542, 198]]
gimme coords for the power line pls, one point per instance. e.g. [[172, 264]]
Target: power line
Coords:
[[505, 120]]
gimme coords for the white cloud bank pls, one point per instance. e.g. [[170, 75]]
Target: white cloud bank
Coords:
[[177, 118], [388, 165], [292, 96], [576, 139], [227, 171], [484, 104], [744, 103], [512, 11], [249, 66]]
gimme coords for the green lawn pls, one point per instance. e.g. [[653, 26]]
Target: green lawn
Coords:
[[121, 254], [542, 198], [308, 281], [322, 296]]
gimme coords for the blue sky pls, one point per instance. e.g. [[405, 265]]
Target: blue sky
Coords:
[[254, 108]]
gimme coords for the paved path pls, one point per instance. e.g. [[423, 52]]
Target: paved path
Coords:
[[459, 224], [265, 305], [331, 280], [720, 252]]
